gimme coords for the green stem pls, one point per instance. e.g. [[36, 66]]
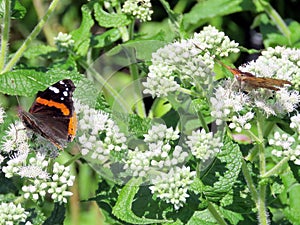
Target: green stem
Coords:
[[277, 19], [73, 159], [202, 120], [5, 33], [261, 204], [276, 169], [39, 8], [216, 215], [140, 107], [249, 181], [31, 37]]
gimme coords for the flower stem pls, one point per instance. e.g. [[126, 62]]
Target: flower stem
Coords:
[[73, 159], [277, 19], [277, 168], [249, 181], [5, 33], [216, 215], [261, 204], [140, 108], [31, 37]]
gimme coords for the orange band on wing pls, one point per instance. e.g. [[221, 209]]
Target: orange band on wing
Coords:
[[72, 126], [51, 103]]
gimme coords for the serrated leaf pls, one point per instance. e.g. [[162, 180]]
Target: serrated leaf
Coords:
[[38, 50], [29, 82], [224, 173], [204, 10], [57, 216], [107, 38], [82, 35], [108, 20], [122, 209]]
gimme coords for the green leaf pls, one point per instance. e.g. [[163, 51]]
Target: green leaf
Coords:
[[205, 10], [224, 172], [122, 209], [18, 11], [292, 212], [108, 20], [82, 35], [106, 39], [38, 50], [57, 216], [202, 218], [29, 82]]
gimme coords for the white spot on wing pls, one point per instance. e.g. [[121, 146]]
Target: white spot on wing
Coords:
[[54, 89], [65, 93]]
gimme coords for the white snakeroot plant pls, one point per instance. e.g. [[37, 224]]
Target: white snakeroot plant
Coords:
[[160, 163], [188, 60]]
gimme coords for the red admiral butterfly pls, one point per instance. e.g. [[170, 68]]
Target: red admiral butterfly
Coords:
[[52, 114]]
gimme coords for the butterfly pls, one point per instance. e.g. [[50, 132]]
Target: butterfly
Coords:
[[52, 114], [252, 81]]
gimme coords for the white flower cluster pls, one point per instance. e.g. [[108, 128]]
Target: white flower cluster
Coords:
[[140, 9], [160, 162], [204, 145], [60, 181], [241, 122], [12, 214], [173, 185], [188, 60], [284, 146], [215, 41], [98, 134], [64, 42], [159, 155], [33, 168], [225, 103]]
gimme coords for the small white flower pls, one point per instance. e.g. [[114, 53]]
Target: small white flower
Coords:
[[64, 42]]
